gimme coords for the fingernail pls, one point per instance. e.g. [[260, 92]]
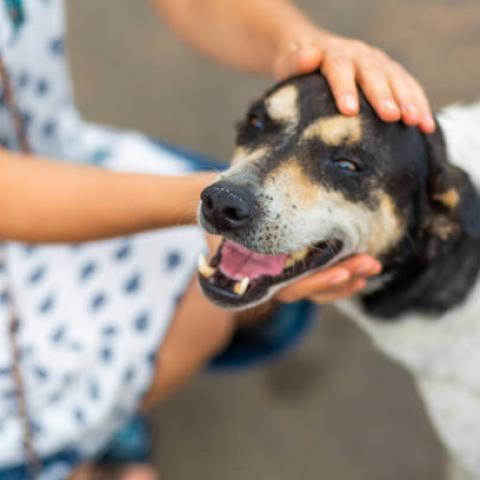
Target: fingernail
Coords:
[[350, 102], [368, 270], [339, 277], [429, 122], [411, 110], [390, 105]]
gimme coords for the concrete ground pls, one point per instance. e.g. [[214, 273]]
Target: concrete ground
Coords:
[[334, 408]]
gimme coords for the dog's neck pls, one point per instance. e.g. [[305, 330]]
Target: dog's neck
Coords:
[[431, 287]]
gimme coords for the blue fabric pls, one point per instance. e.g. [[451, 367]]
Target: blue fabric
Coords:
[[268, 340], [15, 12], [131, 444], [68, 460]]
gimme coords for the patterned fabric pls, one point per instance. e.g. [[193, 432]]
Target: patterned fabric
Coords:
[[92, 315]]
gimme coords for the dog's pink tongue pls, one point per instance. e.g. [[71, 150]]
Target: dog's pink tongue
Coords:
[[238, 262]]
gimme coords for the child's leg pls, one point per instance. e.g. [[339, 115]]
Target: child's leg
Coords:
[[198, 331]]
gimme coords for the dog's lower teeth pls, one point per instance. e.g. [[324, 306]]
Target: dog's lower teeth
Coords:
[[241, 287], [297, 256], [204, 268]]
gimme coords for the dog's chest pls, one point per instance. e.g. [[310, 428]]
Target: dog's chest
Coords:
[[444, 347]]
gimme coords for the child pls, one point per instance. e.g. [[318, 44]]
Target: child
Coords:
[[80, 358]]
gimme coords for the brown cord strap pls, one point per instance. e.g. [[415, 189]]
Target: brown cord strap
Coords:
[[32, 460], [20, 129]]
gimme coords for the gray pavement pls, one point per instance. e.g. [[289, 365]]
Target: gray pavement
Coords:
[[334, 408]]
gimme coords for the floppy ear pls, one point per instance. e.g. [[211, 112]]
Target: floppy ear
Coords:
[[455, 201]]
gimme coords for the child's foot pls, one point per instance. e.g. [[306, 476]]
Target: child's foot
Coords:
[[128, 471]]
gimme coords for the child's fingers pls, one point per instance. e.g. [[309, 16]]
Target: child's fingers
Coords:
[[345, 292], [376, 87], [309, 58], [412, 100], [340, 74], [319, 282], [326, 282], [426, 121]]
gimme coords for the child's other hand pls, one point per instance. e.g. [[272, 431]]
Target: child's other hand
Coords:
[[346, 63], [339, 281]]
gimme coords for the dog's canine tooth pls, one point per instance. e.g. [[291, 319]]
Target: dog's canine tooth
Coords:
[[241, 287], [204, 268], [297, 256]]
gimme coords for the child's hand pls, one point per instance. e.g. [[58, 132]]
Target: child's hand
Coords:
[[391, 90], [340, 281]]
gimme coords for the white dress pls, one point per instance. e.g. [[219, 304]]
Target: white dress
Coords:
[[92, 315]]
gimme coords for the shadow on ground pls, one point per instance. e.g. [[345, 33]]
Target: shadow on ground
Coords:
[[334, 408]]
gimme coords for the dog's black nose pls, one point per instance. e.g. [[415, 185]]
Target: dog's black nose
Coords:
[[226, 205]]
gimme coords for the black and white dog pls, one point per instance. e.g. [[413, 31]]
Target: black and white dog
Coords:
[[308, 187]]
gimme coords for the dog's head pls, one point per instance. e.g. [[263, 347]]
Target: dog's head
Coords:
[[308, 186]]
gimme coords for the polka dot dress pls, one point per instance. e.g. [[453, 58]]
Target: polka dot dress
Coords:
[[92, 315]]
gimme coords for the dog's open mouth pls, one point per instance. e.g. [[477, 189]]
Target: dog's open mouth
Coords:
[[237, 276]]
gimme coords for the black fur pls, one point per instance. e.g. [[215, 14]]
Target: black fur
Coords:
[[433, 274]]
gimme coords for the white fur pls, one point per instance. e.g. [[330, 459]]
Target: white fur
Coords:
[[443, 353]]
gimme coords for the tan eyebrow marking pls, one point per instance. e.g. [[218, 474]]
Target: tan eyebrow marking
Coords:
[[243, 155], [336, 130], [282, 104], [290, 178], [450, 198]]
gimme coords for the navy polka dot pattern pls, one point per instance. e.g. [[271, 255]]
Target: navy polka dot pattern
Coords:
[[123, 252], [58, 335], [47, 304], [98, 301], [5, 371], [173, 260], [94, 390], [48, 129], [79, 415], [133, 283], [142, 322], [109, 330], [37, 275], [92, 315], [106, 354], [23, 80], [57, 46], [4, 297], [87, 270], [41, 373], [42, 87]]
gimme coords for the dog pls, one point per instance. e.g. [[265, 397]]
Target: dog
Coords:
[[308, 187]]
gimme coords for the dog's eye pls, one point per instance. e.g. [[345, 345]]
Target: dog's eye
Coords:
[[255, 122], [347, 165]]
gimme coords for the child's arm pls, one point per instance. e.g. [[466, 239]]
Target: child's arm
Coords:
[[273, 37], [49, 201]]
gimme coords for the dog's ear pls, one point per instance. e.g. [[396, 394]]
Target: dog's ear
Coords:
[[453, 197]]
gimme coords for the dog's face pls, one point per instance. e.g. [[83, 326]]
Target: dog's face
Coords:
[[308, 186]]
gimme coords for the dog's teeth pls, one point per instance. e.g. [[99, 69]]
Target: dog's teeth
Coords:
[[204, 268], [297, 256], [241, 287]]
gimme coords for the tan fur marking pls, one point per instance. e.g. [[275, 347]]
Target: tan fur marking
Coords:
[[386, 228], [290, 179], [450, 198], [336, 130], [242, 155], [282, 105], [443, 227]]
